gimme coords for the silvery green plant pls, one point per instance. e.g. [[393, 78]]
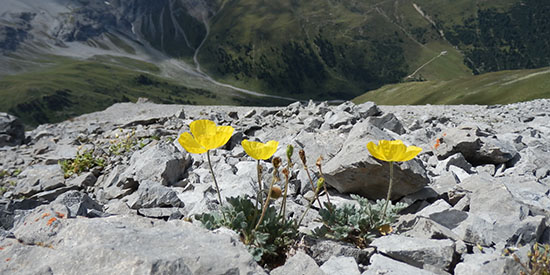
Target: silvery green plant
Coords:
[[358, 225], [268, 242]]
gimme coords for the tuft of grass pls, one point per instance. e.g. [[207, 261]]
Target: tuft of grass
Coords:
[[123, 143], [83, 161]]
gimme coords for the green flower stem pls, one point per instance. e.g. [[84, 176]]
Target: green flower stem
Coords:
[[325, 188], [283, 207], [266, 204], [315, 196], [312, 185], [260, 198], [389, 191], [214, 176]]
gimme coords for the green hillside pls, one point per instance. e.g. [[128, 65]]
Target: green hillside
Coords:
[[490, 88], [68, 87], [323, 49], [495, 35]]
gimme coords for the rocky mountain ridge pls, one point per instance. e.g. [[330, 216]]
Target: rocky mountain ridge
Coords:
[[476, 194]]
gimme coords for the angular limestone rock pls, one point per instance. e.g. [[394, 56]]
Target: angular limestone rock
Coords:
[[354, 170]]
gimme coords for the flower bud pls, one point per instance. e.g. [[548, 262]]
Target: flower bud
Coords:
[[286, 172], [289, 152], [302, 154], [276, 161], [319, 160], [320, 183], [276, 192]]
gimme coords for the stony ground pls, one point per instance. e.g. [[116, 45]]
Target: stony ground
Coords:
[[476, 194]]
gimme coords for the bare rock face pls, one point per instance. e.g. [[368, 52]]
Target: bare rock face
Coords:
[[121, 243], [12, 131], [477, 146], [354, 170], [162, 163]]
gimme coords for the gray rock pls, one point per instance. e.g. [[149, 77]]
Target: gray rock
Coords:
[[388, 121], [78, 204], [299, 264], [83, 180], [417, 252], [423, 228], [162, 213], [112, 187], [445, 183], [459, 173], [436, 207], [486, 168], [159, 162], [38, 178], [492, 202], [529, 192], [60, 152], [339, 265], [323, 250], [469, 228], [151, 194], [457, 160], [487, 264], [383, 265], [128, 114], [367, 109], [312, 123], [117, 244], [354, 170], [477, 147], [51, 195], [334, 120], [12, 131]]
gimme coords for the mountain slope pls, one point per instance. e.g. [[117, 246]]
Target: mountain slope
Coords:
[[321, 49], [317, 49], [70, 88], [491, 88]]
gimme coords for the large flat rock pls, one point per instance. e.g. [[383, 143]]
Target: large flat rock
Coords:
[[127, 244]]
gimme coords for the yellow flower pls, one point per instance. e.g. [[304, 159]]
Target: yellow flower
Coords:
[[393, 150], [206, 136], [259, 150]]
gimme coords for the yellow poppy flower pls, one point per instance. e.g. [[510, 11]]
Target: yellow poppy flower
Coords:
[[393, 150], [259, 150], [206, 136]]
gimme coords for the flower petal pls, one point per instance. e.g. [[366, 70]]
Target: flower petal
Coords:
[[190, 144], [203, 127], [210, 136], [270, 149], [375, 151], [223, 134], [203, 132], [391, 149], [411, 152], [259, 150]]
